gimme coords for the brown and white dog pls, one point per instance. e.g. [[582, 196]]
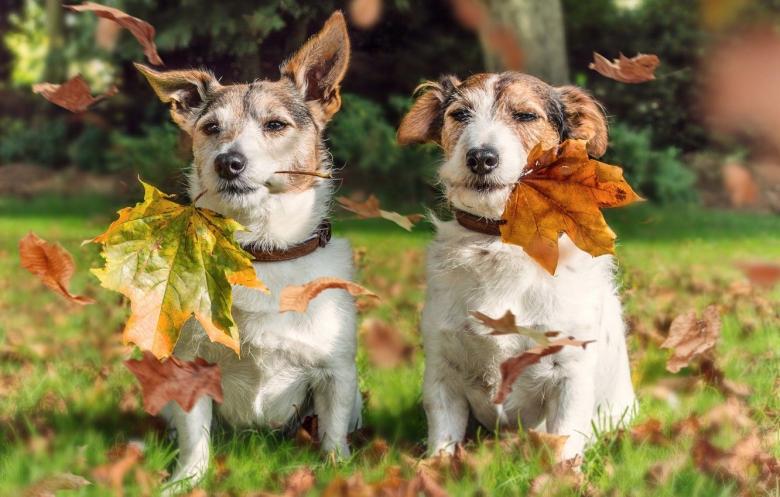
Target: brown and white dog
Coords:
[[486, 126], [291, 364]]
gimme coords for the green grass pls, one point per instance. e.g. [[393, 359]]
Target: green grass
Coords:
[[66, 399]]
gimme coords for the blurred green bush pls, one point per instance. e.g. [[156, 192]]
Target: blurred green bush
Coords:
[[42, 141], [656, 173], [154, 155]]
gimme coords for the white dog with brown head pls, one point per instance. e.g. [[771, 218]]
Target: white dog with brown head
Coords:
[[486, 126], [243, 135]]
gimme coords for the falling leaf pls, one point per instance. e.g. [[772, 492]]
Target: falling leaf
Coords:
[[175, 380], [562, 191], [370, 209], [385, 345], [141, 30], [740, 185], [51, 263], [365, 14], [121, 461], [762, 274], [637, 69], [507, 325], [690, 337], [73, 95], [174, 261], [297, 297], [512, 368], [48, 486]]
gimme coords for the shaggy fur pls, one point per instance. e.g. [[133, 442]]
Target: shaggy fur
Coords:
[[567, 392], [291, 364]]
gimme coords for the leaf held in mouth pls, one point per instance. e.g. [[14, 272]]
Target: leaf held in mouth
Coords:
[[562, 191], [174, 261], [370, 209]]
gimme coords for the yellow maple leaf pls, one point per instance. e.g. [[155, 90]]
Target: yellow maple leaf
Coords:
[[563, 191], [173, 262]]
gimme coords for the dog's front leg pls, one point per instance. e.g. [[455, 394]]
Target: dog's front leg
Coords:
[[334, 401], [445, 405], [569, 410], [193, 429]]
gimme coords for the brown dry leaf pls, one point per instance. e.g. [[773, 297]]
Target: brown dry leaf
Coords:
[[736, 464], [107, 34], [121, 461], [175, 380], [637, 69], [650, 431], [141, 30], [740, 185], [715, 377], [297, 484], [761, 274], [550, 443], [561, 479], [306, 435], [51, 263], [73, 95], [507, 325], [385, 345], [370, 209], [365, 14], [297, 297], [690, 337], [48, 487], [503, 41], [733, 412], [512, 368], [562, 191], [660, 472]]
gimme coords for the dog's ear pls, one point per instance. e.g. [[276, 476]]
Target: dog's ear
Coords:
[[423, 122], [583, 118], [318, 67], [186, 91]]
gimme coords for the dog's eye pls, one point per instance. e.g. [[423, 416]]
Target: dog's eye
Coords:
[[460, 115], [211, 128], [524, 117], [275, 125]]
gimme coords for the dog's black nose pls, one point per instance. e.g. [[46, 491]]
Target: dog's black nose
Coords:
[[482, 160], [230, 164]]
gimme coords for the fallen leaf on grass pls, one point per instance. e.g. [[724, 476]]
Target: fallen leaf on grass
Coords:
[[308, 433], [121, 461], [49, 486], [140, 29], [762, 274], [175, 380], [385, 345], [637, 69], [512, 368], [659, 473], [73, 95], [550, 443], [562, 191], [297, 297], [393, 485], [174, 261], [370, 209], [297, 484], [507, 325], [650, 431], [715, 377], [562, 479], [690, 337], [51, 263]]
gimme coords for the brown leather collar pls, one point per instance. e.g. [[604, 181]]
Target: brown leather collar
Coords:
[[479, 224], [319, 238]]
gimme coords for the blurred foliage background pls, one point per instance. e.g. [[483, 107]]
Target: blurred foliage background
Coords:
[[657, 130]]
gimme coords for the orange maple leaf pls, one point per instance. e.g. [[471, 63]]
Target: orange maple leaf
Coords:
[[563, 191]]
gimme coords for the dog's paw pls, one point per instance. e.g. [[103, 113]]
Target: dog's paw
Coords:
[[336, 450]]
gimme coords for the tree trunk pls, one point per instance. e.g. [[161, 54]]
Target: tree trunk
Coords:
[[539, 30], [56, 70]]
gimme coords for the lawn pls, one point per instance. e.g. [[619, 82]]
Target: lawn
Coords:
[[67, 402]]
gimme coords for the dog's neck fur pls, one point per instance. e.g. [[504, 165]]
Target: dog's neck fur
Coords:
[[280, 221]]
